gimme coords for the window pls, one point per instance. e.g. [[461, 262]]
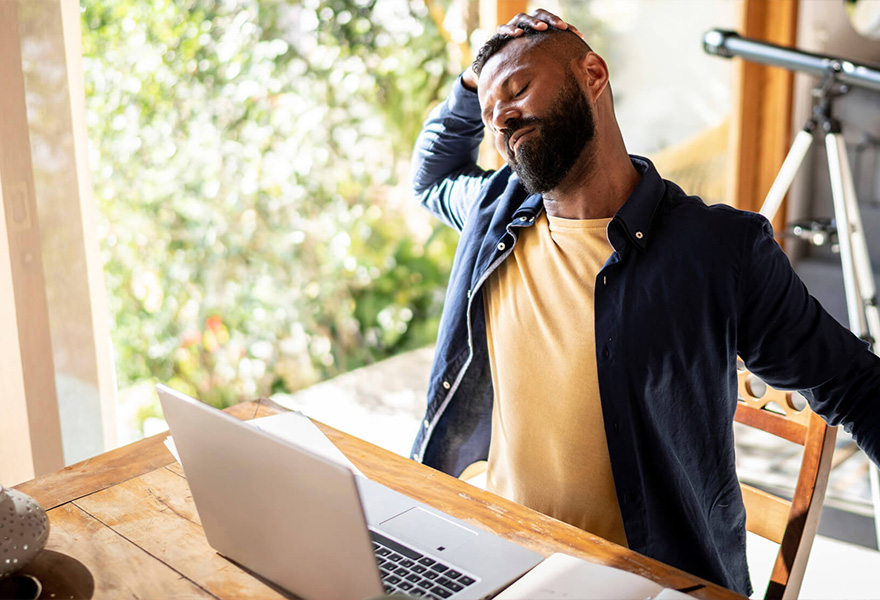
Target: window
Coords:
[[56, 369]]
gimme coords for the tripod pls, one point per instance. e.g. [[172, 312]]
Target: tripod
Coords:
[[858, 277]]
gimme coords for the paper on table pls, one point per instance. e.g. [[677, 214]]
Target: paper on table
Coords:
[[563, 576], [169, 443], [297, 428]]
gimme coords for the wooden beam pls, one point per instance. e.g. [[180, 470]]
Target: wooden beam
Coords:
[[507, 9], [496, 12], [17, 463], [763, 114], [37, 409]]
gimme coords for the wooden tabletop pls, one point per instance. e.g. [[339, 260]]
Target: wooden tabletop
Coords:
[[123, 525]]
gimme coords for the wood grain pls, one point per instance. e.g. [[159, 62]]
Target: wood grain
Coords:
[[176, 468], [765, 420], [99, 472], [766, 514], [156, 512], [87, 559]]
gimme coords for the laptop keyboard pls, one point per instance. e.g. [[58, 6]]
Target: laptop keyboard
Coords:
[[407, 571]]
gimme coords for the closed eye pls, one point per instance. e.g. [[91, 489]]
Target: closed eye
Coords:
[[520, 93]]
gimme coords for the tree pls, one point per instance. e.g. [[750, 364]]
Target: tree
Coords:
[[247, 157]]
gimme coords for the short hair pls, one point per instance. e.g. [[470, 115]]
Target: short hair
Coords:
[[572, 43]]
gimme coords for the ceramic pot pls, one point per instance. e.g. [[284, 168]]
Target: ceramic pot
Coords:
[[24, 529]]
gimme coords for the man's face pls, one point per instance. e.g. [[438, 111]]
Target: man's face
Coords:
[[540, 116], [543, 160]]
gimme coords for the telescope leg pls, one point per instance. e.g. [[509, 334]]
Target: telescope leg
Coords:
[[858, 277], [787, 171]]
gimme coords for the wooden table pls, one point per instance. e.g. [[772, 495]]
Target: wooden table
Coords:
[[123, 525]]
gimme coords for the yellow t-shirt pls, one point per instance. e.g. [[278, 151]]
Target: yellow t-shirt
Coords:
[[548, 449]]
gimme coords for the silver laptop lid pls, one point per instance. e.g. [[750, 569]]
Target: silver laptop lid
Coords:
[[291, 516]]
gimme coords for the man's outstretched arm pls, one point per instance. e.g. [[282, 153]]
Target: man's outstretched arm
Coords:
[[788, 340]]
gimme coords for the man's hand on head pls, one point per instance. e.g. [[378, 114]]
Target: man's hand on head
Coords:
[[540, 19]]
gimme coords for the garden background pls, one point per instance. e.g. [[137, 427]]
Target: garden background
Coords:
[[250, 163]]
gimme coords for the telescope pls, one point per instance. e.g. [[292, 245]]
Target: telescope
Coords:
[[728, 44]]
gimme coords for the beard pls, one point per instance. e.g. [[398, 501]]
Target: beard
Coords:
[[543, 162]]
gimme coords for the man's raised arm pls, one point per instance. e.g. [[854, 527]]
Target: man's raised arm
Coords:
[[444, 172]]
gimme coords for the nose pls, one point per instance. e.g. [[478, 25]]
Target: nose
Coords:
[[502, 114]]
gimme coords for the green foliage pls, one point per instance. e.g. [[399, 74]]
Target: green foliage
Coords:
[[247, 157]]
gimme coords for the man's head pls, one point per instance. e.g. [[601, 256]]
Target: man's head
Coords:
[[564, 43], [537, 92]]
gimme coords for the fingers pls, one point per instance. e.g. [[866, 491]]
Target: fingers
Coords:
[[540, 20], [549, 18]]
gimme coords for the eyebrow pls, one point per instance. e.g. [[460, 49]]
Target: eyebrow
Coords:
[[485, 112]]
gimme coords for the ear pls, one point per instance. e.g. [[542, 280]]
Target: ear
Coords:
[[593, 74]]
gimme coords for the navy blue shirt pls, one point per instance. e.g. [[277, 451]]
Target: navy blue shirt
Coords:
[[687, 289]]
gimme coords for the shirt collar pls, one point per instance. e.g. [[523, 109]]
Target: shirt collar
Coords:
[[530, 205], [634, 218], [637, 213]]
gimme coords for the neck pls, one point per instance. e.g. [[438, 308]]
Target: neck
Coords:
[[596, 188]]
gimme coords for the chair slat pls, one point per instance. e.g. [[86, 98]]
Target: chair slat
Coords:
[[771, 422], [766, 514]]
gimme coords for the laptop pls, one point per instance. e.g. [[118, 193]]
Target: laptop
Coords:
[[311, 526]]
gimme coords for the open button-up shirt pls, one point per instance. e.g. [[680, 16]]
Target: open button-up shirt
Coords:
[[687, 289]]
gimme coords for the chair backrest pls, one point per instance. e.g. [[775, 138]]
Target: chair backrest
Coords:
[[791, 524]]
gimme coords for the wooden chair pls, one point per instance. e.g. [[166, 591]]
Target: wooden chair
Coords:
[[791, 524]]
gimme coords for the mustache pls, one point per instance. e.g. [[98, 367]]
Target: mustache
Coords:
[[515, 125]]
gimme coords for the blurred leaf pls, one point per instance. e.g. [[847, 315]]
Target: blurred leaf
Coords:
[[246, 157]]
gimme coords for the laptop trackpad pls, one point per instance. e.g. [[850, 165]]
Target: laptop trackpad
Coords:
[[427, 531]]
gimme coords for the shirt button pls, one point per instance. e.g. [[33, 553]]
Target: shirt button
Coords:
[[446, 385], [627, 498], [523, 219], [605, 353], [426, 424], [501, 246], [415, 457], [639, 235], [616, 426]]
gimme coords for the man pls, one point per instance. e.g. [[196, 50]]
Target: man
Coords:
[[595, 313]]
